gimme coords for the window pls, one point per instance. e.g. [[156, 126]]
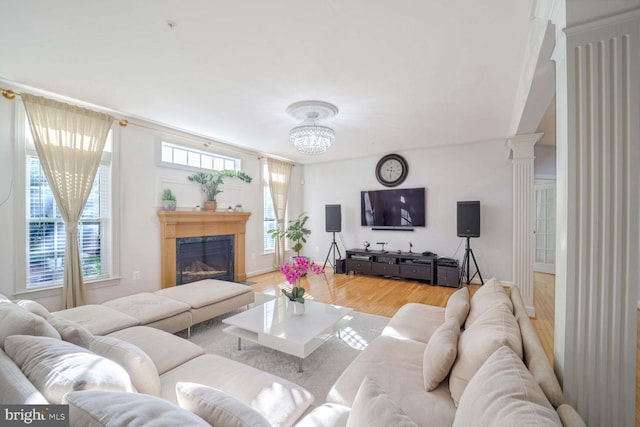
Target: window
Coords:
[[45, 228], [189, 158], [269, 215]]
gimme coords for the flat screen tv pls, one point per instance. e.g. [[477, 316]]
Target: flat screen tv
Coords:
[[398, 208]]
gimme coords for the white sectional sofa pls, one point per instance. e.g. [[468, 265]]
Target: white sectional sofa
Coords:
[[427, 370], [51, 359]]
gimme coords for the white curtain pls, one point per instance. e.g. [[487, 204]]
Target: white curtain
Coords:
[[279, 178], [69, 141]]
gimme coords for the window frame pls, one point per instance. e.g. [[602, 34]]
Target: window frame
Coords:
[[189, 149], [110, 231]]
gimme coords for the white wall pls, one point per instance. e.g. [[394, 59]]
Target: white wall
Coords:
[[141, 182], [479, 171]]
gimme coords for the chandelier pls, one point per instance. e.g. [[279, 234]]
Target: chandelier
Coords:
[[310, 137]]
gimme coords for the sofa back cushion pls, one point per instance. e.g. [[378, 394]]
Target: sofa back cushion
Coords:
[[492, 330], [440, 353], [458, 305], [489, 294], [33, 307], [71, 331], [141, 370], [217, 407], [15, 320], [503, 393], [103, 408], [16, 389], [56, 367]]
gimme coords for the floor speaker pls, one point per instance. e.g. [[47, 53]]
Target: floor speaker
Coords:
[[333, 218], [469, 219]]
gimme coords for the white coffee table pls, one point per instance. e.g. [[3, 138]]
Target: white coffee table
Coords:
[[271, 325]]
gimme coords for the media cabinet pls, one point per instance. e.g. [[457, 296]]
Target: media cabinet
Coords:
[[383, 263]]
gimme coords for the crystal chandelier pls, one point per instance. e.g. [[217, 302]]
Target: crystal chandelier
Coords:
[[310, 137]]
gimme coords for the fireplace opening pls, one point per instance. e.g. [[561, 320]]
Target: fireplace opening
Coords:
[[205, 257]]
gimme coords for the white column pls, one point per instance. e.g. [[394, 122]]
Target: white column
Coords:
[[598, 239], [524, 215]]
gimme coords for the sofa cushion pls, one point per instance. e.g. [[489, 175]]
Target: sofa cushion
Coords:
[[15, 320], [165, 350], [458, 306], [503, 393], [217, 407], [141, 370], [373, 408], [204, 292], [4, 298], [569, 416], [56, 367], [492, 330], [98, 319], [71, 331], [440, 353], [489, 294], [89, 409], [396, 366], [415, 321], [326, 415], [16, 388], [33, 307], [280, 401], [148, 307]]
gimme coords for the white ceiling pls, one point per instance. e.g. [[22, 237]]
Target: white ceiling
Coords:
[[403, 74]]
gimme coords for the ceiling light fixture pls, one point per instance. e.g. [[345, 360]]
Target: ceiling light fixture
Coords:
[[309, 137]]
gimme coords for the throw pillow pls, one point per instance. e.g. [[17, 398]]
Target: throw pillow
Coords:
[[33, 307], [504, 393], [141, 370], [103, 408], [71, 331], [217, 407], [15, 320], [56, 367], [492, 330], [440, 353], [373, 408], [489, 294], [458, 305]]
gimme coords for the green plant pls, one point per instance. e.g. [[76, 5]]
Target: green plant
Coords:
[[168, 195], [296, 231], [296, 294], [212, 180]]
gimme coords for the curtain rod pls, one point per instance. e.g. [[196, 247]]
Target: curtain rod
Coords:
[[11, 95]]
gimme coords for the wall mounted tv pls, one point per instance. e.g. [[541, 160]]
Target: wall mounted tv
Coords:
[[398, 209]]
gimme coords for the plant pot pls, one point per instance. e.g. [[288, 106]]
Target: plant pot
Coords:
[[295, 308], [210, 206], [168, 205]]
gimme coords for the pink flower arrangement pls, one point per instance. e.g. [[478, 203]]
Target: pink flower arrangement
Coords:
[[294, 270]]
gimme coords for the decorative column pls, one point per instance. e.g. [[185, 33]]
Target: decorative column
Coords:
[[524, 215], [598, 238]]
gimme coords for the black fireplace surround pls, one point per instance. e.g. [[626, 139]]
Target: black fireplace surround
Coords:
[[205, 257]]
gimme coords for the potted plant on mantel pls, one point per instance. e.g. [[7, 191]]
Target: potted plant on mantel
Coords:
[[296, 231], [210, 183], [168, 200]]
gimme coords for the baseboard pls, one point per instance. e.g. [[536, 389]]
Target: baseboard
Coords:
[[261, 271]]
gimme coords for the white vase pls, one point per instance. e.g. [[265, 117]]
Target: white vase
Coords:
[[295, 308]]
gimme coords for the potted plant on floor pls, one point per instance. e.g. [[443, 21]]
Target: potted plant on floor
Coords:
[[296, 231], [293, 270], [211, 181], [168, 200]]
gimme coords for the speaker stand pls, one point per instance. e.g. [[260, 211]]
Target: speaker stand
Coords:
[[466, 265], [334, 247]]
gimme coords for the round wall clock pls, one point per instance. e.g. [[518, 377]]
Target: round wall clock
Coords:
[[392, 170]]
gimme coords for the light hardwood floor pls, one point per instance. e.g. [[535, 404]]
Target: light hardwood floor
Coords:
[[383, 297]]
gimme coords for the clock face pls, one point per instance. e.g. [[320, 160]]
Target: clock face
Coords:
[[391, 170]]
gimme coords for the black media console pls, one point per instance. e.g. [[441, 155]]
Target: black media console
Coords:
[[383, 263]]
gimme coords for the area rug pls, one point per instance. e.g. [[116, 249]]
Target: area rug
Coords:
[[321, 369]]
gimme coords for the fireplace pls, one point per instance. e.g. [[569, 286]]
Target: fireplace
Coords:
[[205, 257], [176, 225]]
